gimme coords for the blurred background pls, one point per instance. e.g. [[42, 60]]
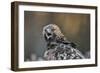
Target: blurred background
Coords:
[[75, 27]]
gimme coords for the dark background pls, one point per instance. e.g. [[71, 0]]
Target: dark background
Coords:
[[75, 27]]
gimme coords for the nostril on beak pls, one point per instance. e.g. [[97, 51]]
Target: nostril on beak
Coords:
[[49, 34]]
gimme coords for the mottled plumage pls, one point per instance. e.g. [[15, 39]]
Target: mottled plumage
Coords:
[[58, 46]]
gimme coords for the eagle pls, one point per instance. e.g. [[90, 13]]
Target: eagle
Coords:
[[58, 46]]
